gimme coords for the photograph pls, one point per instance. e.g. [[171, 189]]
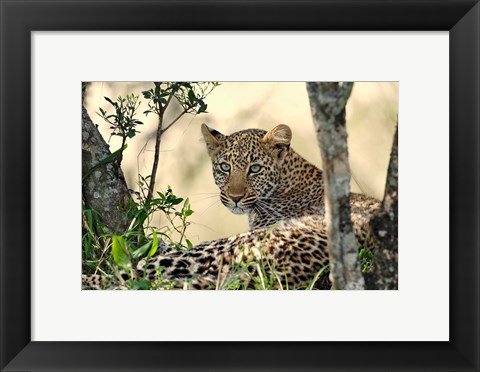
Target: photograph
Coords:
[[239, 185]]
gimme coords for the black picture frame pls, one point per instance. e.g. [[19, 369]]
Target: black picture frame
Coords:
[[19, 17]]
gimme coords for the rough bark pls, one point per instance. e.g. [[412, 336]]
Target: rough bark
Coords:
[[105, 190], [327, 102], [384, 230]]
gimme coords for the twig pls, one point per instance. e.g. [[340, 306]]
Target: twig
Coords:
[[158, 139], [174, 121]]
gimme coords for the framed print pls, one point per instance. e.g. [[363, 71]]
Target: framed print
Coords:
[[185, 209], [49, 323]]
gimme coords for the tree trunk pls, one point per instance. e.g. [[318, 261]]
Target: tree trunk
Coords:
[[105, 189], [384, 230], [327, 102]]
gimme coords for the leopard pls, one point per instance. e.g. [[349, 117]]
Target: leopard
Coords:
[[260, 175], [282, 194]]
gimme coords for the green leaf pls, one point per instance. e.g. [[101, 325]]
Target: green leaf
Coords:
[[89, 216], [154, 244], [109, 100], [189, 243], [108, 159], [119, 252], [317, 276], [140, 283], [191, 96], [141, 251], [176, 201], [203, 108], [91, 265], [131, 133], [186, 210]]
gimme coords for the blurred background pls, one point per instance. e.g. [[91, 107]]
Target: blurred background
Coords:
[[185, 166]]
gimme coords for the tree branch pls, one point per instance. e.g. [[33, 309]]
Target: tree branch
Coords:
[[174, 121], [384, 230], [327, 102], [158, 140]]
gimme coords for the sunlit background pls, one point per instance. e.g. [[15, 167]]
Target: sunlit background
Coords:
[[185, 166]]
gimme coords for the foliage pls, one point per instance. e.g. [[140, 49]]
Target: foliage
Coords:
[[167, 203], [191, 96], [123, 122], [367, 259], [118, 255]]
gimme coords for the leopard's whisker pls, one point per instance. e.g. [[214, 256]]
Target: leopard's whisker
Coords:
[[204, 197]]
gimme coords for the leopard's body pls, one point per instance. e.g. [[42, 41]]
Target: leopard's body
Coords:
[[293, 252], [259, 175]]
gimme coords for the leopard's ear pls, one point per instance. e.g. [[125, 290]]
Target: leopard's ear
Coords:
[[278, 140], [212, 139]]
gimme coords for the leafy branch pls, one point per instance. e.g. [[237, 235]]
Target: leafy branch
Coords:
[[123, 122], [190, 96]]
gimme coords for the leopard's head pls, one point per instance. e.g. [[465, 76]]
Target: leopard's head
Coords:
[[247, 164]]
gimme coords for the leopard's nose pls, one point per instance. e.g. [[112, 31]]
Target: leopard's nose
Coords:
[[236, 198]]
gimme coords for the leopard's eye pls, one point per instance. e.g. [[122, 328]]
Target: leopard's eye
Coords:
[[255, 168], [225, 167]]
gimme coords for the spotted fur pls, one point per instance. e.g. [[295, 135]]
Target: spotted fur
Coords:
[[292, 252]]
